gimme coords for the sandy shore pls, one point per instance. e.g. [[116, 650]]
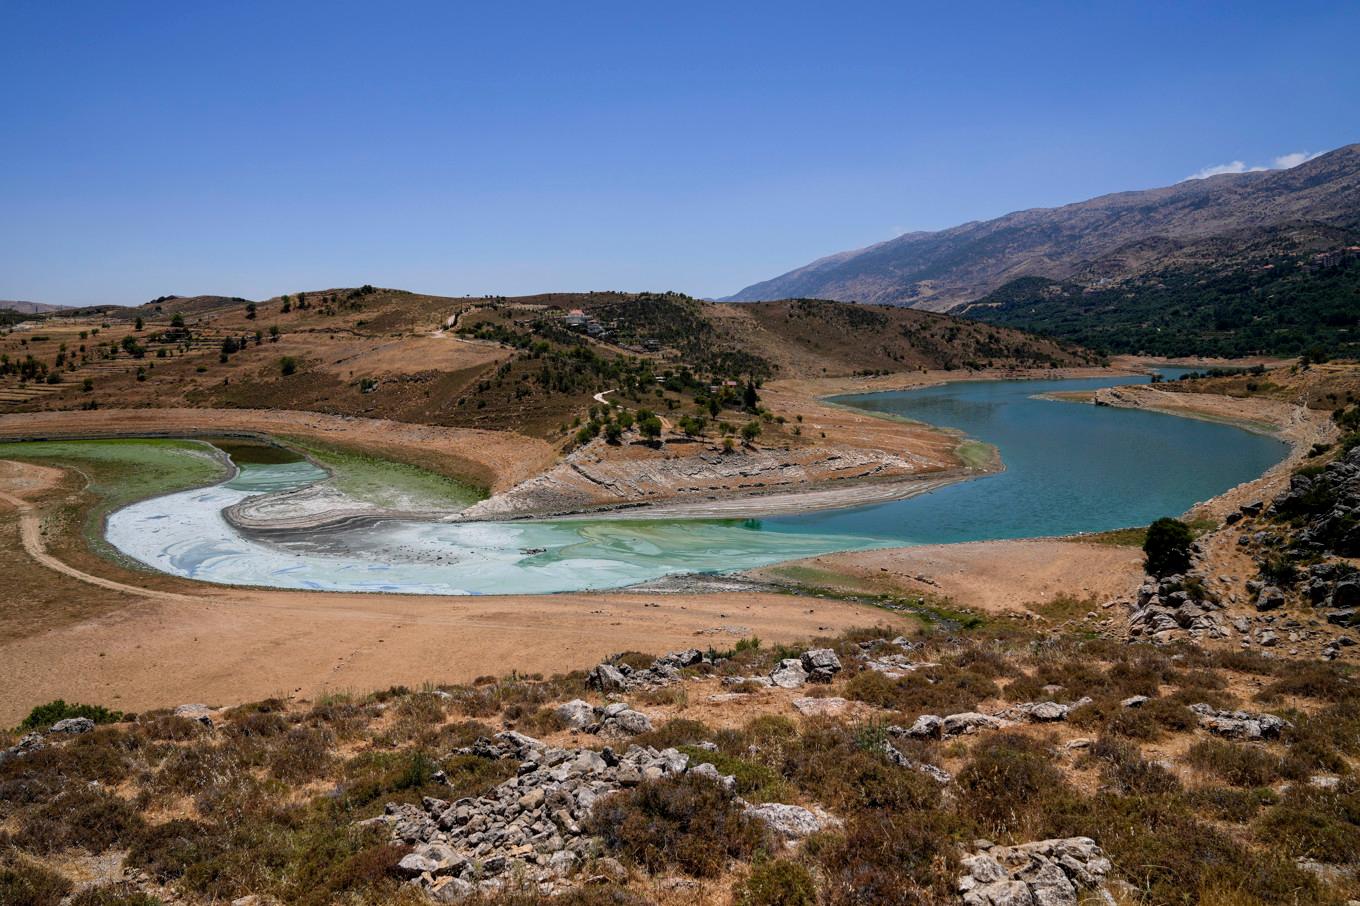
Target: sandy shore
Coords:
[[994, 576], [228, 647]]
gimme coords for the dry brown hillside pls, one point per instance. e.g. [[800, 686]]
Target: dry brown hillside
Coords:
[[526, 364]]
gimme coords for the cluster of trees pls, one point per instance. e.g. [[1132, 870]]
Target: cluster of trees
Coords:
[[1280, 306]]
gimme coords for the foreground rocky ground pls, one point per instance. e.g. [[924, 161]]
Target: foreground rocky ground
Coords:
[[1007, 762]]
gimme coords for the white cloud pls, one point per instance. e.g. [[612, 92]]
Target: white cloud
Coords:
[[1283, 162]]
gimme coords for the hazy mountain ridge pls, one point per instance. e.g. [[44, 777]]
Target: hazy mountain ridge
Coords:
[[940, 270], [29, 308]]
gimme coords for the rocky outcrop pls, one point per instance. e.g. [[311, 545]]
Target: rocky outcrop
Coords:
[[1167, 607], [1328, 503], [532, 826], [592, 478], [1239, 724], [614, 676], [1044, 873], [616, 719]]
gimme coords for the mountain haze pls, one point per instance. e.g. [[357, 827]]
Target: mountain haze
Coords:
[[1102, 239]]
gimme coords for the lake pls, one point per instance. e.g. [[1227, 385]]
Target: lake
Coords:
[[1069, 468]]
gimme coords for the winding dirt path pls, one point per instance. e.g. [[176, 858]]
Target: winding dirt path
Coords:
[[30, 533]]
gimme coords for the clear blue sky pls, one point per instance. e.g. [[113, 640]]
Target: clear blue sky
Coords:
[[257, 148]]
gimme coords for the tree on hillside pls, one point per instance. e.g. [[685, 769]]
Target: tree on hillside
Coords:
[[749, 398], [1167, 547], [139, 324], [648, 424]]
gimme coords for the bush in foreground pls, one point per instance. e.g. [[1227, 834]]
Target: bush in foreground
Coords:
[[686, 822], [44, 716]]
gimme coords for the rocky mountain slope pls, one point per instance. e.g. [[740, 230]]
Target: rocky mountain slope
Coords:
[[1105, 238]]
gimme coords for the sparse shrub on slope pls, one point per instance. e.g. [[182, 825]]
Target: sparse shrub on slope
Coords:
[[25, 882], [1009, 783], [686, 822], [779, 882]]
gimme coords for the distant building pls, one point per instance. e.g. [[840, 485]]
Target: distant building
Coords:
[[576, 318]]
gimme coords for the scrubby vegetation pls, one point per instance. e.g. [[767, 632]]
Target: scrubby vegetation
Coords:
[[271, 800]]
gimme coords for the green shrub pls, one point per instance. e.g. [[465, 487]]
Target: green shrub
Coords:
[[777, 883], [44, 716], [933, 690], [1239, 764], [1227, 804], [831, 762], [26, 882], [1315, 824], [1126, 771], [1008, 781], [165, 851], [1167, 547], [685, 822], [755, 782], [80, 818], [888, 857]]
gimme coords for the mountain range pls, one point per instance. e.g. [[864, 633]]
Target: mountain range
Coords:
[[1096, 244]]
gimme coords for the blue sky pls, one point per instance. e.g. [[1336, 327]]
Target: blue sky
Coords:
[[257, 148]]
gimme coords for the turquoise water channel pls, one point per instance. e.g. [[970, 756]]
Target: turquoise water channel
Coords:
[[1069, 468]]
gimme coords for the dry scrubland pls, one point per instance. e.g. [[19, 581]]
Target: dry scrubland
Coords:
[[1192, 740], [274, 800]]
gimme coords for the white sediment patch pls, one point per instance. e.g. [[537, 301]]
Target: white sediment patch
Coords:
[[186, 534]]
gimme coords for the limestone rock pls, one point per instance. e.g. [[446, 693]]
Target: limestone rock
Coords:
[[821, 664], [789, 674]]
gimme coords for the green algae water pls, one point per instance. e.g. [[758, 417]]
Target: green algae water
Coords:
[[1069, 468]]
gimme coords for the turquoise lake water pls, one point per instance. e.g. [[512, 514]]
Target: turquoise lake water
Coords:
[[1069, 468]]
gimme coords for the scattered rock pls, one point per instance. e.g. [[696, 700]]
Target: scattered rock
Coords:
[[790, 822], [619, 677], [809, 707], [1239, 724], [1044, 873], [531, 825]]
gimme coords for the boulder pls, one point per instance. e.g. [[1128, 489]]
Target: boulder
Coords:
[[632, 722], [606, 678], [1269, 598], [199, 712], [790, 822], [821, 664], [970, 722], [927, 726], [73, 726], [790, 674], [576, 714]]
